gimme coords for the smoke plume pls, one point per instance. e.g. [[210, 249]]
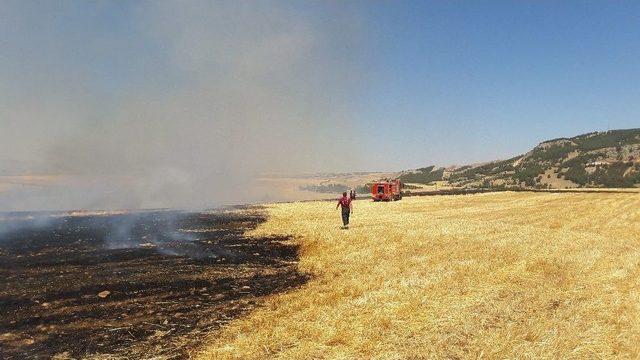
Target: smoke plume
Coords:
[[170, 104]]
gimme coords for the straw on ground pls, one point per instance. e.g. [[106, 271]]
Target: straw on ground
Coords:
[[505, 275]]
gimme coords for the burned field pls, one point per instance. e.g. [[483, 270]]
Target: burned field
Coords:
[[133, 285]]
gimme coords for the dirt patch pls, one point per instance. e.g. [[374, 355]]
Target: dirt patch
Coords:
[[140, 285]]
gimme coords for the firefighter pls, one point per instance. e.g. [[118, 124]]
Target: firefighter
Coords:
[[347, 208]]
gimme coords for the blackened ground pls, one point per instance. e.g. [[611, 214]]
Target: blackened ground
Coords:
[[171, 278]]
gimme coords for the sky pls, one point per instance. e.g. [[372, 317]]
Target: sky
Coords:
[[172, 97], [462, 82]]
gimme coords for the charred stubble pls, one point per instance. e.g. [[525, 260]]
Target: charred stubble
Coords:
[[172, 278]]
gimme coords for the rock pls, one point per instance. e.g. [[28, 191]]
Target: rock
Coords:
[[104, 294], [246, 287], [46, 304]]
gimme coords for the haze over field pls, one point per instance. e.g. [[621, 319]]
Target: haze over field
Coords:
[[168, 104], [164, 104]]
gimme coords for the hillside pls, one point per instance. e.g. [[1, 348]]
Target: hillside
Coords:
[[608, 159], [599, 159]]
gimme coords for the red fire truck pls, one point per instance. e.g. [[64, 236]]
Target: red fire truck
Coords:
[[386, 190]]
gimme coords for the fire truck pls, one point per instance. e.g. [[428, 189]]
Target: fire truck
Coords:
[[386, 190]]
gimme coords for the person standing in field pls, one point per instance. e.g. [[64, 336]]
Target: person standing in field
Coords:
[[347, 208]]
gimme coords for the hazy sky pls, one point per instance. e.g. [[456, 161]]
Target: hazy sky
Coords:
[[193, 93]]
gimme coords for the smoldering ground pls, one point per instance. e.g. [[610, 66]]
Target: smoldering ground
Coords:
[[161, 104], [87, 284], [164, 231]]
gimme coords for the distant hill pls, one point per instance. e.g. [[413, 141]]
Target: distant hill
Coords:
[[599, 159]]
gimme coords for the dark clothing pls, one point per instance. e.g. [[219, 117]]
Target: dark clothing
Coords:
[[345, 215]]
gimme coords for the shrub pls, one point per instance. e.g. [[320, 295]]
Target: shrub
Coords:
[[423, 175], [553, 152], [613, 176], [527, 173], [608, 139], [577, 174], [492, 168]]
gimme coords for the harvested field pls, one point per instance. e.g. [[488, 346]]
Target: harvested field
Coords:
[[143, 285], [499, 275]]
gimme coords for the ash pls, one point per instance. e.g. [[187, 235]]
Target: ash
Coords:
[[132, 285]]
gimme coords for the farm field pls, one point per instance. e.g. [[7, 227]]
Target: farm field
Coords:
[[131, 285], [500, 275]]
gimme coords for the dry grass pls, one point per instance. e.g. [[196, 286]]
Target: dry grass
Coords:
[[505, 275]]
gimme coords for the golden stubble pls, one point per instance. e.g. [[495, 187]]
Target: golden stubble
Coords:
[[503, 275]]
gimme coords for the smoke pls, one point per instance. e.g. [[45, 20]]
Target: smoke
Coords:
[[174, 233], [172, 104], [158, 230], [17, 222]]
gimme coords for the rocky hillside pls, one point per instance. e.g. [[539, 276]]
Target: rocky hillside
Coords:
[[599, 159]]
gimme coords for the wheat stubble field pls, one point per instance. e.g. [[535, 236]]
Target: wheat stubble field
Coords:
[[502, 275]]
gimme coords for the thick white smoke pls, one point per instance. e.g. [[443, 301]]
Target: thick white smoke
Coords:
[[184, 111]]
